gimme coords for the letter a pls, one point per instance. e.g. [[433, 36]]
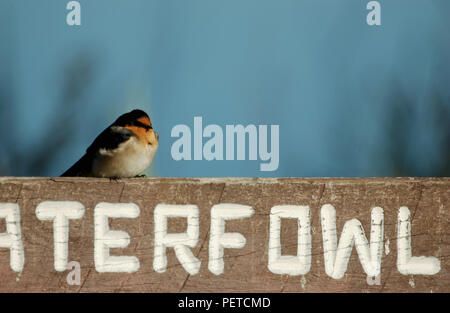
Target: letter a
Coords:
[[374, 16], [74, 16]]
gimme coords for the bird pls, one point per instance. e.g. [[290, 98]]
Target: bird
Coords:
[[124, 149]]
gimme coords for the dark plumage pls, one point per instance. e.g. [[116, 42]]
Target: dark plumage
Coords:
[[133, 124]]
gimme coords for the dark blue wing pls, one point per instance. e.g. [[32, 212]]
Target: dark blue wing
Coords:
[[110, 139]]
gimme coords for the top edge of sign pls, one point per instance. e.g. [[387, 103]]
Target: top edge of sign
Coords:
[[234, 180]]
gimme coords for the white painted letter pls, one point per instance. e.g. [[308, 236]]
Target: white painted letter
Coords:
[[291, 265], [180, 242], [12, 239], [337, 257], [60, 212], [218, 239], [406, 263], [106, 238]]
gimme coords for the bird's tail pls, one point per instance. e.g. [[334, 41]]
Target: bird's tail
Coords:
[[81, 168]]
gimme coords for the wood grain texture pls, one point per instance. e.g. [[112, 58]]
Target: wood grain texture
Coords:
[[245, 269]]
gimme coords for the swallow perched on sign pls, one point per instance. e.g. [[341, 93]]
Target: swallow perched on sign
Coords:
[[125, 149]]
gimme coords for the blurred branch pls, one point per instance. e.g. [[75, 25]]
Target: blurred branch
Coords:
[[35, 160], [441, 119], [401, 120]]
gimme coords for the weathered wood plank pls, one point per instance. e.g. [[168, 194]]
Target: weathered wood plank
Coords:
[[246, 269]]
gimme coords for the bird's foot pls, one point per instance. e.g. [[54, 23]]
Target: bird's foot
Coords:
[[140, 176], [115, 178]]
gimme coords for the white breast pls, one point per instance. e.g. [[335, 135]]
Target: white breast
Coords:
[[130, 159]]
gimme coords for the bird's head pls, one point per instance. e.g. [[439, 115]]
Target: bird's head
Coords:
[[139, 123]]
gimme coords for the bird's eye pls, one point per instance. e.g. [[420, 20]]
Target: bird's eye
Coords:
[[139, 124]]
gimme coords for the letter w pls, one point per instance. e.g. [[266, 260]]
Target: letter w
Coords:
[[336, 257]]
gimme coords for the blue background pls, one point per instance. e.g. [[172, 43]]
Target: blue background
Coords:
[[350, 99]]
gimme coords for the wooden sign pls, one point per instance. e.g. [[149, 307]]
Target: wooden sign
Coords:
[[225, 235]]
